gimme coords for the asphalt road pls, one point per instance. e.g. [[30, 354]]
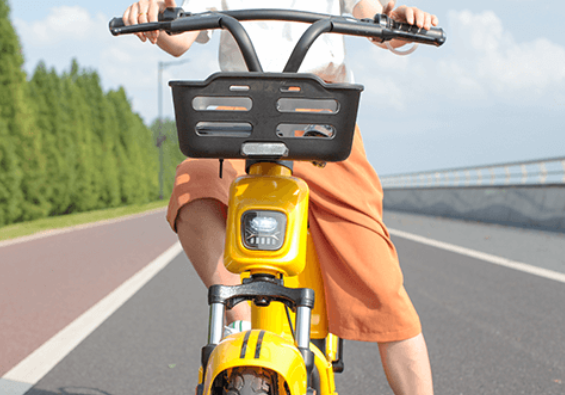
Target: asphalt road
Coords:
[[46, 282], [489, 329]]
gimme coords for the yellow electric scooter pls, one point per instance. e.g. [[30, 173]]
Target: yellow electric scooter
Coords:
[[270, 120]]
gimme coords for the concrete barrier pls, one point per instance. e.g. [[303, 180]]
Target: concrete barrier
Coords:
[[532, 206]]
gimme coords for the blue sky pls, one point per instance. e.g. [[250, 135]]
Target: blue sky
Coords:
[[495, 92]]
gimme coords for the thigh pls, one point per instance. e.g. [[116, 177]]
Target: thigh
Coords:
[[200, 178], [365, 295]]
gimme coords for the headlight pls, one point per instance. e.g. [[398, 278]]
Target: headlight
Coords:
[[263, 230]]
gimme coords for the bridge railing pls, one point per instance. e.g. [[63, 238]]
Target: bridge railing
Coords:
[[533, 172]]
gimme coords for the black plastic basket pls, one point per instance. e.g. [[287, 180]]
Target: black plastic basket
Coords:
[[253, 115]]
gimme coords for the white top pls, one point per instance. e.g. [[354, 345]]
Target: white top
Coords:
[[274, 41]]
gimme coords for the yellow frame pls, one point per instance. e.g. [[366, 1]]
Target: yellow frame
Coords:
[[270, 186]]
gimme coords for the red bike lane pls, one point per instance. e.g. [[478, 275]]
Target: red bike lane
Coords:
[[47, 282]]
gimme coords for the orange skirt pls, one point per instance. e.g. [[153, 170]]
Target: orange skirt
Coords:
[[365, 295]]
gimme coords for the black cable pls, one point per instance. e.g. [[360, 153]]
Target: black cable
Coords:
[[289, 322]]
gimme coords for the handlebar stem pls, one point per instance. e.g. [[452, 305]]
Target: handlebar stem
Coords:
[[243, 41], [305, 42]]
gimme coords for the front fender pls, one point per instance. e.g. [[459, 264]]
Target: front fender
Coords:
[[258, 348]]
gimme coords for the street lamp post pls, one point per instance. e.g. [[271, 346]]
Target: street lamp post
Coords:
[[160, 136]]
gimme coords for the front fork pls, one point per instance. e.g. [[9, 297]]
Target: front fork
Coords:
[[261, 290], [302, 328]]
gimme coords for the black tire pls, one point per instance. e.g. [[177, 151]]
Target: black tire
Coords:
[[249, 381]]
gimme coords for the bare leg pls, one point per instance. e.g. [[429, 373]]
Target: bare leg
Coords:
[[201, 228], [407, 366]]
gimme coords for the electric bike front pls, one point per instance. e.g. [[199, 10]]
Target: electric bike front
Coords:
[[270, 120]]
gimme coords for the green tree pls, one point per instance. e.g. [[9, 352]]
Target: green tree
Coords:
[[137, 156], [29, 200], [11, 62], [172, 156], [10, 178], [105, 131], [85, 192], [65, 145], [45, 87]]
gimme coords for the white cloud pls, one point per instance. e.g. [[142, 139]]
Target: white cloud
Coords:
[[72, 32], [481, 64], [67, 23], [500, 62]]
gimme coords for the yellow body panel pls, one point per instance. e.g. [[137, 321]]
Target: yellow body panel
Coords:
[[273, 190], [275, 353], [274, 318], [311, 277]]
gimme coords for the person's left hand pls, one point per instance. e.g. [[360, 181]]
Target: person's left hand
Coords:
[[410, 15]]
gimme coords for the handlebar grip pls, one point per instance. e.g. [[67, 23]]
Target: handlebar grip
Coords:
[[169, 14], [116, 23], [413, 33]]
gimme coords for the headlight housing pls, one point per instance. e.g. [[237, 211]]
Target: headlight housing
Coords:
[[263, 229]]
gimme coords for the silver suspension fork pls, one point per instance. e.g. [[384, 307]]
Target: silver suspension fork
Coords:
[[303, 318], [302, 341], [216, 323]]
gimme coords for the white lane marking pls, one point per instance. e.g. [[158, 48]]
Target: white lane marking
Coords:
[[53, 232], [29, 371], [523, 267]]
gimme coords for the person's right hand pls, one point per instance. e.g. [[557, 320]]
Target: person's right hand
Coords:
[[146, 11]]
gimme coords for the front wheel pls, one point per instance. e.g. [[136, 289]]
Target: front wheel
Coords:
[[249, 381]]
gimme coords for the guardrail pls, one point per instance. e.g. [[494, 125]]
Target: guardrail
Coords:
[[533, 172]]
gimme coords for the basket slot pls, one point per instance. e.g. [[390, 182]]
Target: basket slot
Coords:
[[224, 129], [287, 104], [306, 130], [239, 88], [290, 89], [213, 103]]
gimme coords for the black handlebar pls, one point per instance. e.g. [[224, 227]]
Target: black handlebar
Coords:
[[176, 20]]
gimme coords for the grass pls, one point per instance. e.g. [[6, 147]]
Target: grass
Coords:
[[64, 221]]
